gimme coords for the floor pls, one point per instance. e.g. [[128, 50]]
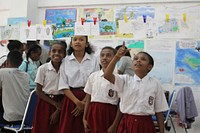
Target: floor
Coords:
[[195, 126]]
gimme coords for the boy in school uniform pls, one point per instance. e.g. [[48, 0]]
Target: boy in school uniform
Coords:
[[141, 95], [14, 86]]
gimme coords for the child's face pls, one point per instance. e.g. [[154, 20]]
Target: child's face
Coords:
[[35, 55], [79, 43], [141, 63], [57, 53], [106, 56]]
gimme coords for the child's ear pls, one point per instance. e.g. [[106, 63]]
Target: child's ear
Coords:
[[87, 44], [150, 67]]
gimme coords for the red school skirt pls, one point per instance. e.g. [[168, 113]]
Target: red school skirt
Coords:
[[101, 116], [43, 112], [136, 124], [68, 122]]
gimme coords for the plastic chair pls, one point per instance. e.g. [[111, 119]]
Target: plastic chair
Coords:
[[167, 114], [28, 115]]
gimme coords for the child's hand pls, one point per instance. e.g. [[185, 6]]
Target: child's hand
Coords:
[[55, 117], [112, 129], [58, 105], [79, 108], [122, 51], [86, 126]]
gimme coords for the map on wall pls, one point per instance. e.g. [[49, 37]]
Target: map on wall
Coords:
[[61, 16], [187, 69]]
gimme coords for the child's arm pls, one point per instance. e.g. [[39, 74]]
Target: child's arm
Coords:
[[160, 119], [87, 104], [108, 74], [79, 104], [44, 97], [113, 127]]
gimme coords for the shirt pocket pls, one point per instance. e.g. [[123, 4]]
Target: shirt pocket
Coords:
[[148, 103]]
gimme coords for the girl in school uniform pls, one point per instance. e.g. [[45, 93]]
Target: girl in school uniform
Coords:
[[100, 113], [46, 118], [29, 64], [140, 96], [75, 70]]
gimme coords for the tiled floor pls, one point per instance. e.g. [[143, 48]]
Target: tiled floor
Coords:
[[195, 127]]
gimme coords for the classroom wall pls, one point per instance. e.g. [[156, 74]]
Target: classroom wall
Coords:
[[12, 8], [35, 10]]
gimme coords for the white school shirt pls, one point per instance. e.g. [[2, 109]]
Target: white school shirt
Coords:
[[100, 89], [48, 78], [140, 96], [15, 93], [75, 74]]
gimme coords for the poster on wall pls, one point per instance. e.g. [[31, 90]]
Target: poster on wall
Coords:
[[135, 46], [107, 28], [187, 69], [61, 16], [102, 14], [17, 21], [62, 31], [163, 55], [44, 32], [10, 32], [138, 14], [178, 21]]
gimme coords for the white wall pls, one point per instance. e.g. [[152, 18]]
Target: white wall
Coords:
[[12, 8], [54, 3], [32, 11]]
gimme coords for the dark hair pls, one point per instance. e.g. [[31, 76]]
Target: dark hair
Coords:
[[61, 42], [88, 49], [151, 61], [127, 53], [15, 57], [33, 48], [29, 43], [14, 45], [111, 48]]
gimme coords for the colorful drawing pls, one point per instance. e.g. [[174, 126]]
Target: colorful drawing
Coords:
[[60, 16], [10, 32], [187, 63], [102, 14], [135, 46], [134, 13], [44, 32], [107, 28], [82, 29], [62, 31], [28, 33], [169, 27], [17, 21]]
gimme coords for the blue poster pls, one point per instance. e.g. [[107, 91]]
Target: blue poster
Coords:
[[187, 63], [17, 21], [61, 16]]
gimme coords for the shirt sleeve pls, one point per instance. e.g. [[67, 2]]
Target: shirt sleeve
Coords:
[[161, 102], [89, 84], [119, 83], [40, 76], [23, 66], [63, 81]]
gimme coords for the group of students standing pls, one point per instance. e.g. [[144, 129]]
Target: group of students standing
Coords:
[[75, 96]]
